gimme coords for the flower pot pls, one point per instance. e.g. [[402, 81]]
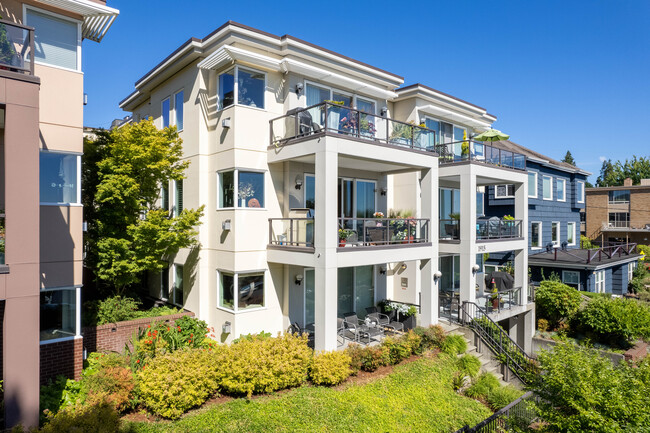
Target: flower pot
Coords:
[[341, 242], [495, 303], [409, 322]]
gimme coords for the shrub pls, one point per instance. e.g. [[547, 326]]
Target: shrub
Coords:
[[502, 396], [432, 337], [330, 368], [542, 325], [483, 386], [645, 250], [414, 341], [469, 365], [367, 358], [398, 349], [266, 364], [117, 309], [175, 382], [554, 301], [454, 344], [101, 418], [112, 385], [614, 321], [458, 381]]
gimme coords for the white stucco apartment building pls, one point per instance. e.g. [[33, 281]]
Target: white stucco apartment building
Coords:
[[294, 147]]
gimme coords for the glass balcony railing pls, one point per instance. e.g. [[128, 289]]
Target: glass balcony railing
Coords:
[[449, 229], [470, 150], [328, 117], [495, 228], [291, 232], [16, 47], [382, 231]]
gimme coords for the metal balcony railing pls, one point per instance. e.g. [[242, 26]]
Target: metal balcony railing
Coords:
[[291, 232], [470, 150], [498, 228], [328, 117], [16, 47], [382, 231]]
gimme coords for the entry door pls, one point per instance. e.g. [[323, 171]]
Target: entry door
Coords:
[[356, 290]]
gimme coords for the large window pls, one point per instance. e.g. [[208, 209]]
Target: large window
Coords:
[[249, 186], [619, 219], [164, 112], [555, 233], [310, 191], [504, 191], [536, 234], [480, 201], [178, 289], [561, 189], [571, 278], [580, 193], [622, 196], [59, 178], [547, 187], [630, 271], [241, 291], [571, 233], [600, 281], [242, 85], [178, 110], [532, 184], [59, 314], [356, 290], [57, 40]]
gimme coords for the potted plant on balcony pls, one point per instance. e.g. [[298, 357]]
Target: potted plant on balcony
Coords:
[[344, 234], [495, 298], [400, 312]]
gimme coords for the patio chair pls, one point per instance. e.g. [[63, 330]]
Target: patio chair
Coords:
[[383, 320], [360, 329]]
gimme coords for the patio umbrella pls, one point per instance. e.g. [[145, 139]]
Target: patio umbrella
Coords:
[[491, 135], [502, 280]]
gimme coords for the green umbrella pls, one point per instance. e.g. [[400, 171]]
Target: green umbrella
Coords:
[[491, 135]]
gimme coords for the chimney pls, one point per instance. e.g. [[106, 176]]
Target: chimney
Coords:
[[645, 182], [627, 182]]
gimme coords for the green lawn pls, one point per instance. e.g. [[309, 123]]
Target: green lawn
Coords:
[[415, 397]]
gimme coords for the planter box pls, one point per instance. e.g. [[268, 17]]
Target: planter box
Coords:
[[409, 322]]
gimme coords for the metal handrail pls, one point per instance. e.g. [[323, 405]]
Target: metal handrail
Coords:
[[488, 154], [499, 420], [501, 343], [501, 229], [513, 298]]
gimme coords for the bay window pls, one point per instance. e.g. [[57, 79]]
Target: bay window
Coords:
[[599, 277], [249, 186], [164, 112], [245, 86], [241, 291], [60, 177]]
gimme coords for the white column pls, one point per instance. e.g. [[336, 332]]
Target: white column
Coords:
[[325, 243], [429, 288], [521, 256], [467, 235]]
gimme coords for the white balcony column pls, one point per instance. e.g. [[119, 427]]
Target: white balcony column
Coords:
[[467, 236], [521, 256], [325, 243], [429, 309]]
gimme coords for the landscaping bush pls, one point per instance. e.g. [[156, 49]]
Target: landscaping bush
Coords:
[[266, 364], [483, 386], [414, 341], [502, 396], [432, 337], [454, 344], [173, 383], [398, 349], [542, 325], [554, 301], [330, 368], [112, 385], [100, 418], [616, 322], [118, 308], [368, 358], [469, 365]]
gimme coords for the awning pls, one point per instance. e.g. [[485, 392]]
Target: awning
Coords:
[[98, 18]]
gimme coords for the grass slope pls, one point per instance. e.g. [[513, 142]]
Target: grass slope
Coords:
[[415, 397]]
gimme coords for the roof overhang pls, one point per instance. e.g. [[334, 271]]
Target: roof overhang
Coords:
[[97, 18], [445, 114]]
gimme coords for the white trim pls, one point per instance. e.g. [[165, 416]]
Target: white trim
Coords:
[[162, 112], [175, 120], [496, 189], [78, 179], [536, 184], [571, 272], [353, 96], [602, 283], [563, 182], [98, 18], [581, 197], [544, 176], [630, 271], [59, 340], [568, 225], [235, 275], [558, 233], [540, 236], [78, 311], [236, 171]]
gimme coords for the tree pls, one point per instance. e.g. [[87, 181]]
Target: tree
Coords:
[[128, 233], [613, 174], [568, 158], [606, 173]]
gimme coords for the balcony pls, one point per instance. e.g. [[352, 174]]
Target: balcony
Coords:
[[381, 232], [16, 47], [449, 229], [329, 118], [296, 233], [470, 150], [486, 229]]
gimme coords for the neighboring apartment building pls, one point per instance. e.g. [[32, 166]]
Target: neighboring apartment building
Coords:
[[41, 123], [293, 149], [619, 213]]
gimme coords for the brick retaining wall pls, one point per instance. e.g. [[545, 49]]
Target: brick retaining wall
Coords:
[[639, 351], [61, 358]]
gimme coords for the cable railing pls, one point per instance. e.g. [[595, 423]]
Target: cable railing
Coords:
[[16, 47], [470, 150], [382, 231], [518, 413], [331, 117], [506, 350]]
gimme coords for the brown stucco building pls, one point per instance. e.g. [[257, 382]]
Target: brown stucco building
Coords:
[[41, 126], [619, 213]]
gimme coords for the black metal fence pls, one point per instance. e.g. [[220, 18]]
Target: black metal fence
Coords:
[[517, 414]]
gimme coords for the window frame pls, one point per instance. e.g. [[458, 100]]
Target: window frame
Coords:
[[164, 277], [544, 176], [539, 236], [236, 171], [174, 196], [557, 183], [602, 281], [534, 173], [77, 289], [630, 271], [557, 231], [568, 230], [236, 87], [168, 111], [64, 18], [78, 198], [235, 276], [333, 90], [580, 198], [507, 185], [175, 110], [480, 191], [609, 201], [565, 272]]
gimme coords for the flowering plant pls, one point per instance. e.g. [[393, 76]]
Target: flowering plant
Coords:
[[378, 215], [246, 190]]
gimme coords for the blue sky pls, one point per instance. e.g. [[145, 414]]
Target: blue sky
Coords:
[[559, 75]]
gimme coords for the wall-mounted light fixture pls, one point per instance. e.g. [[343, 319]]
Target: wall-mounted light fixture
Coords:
[[225, 225], [299, 89], [226, 122], [299, 278], [226, 328], [383, 111], [475, 269], [382, 270], [298, 182], [403, 267], [383, 191], [437, 275]]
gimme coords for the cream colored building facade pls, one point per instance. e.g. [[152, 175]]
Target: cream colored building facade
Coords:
[[292, 147]]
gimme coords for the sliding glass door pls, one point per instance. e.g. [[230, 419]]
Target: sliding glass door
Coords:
[[356, 290]]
